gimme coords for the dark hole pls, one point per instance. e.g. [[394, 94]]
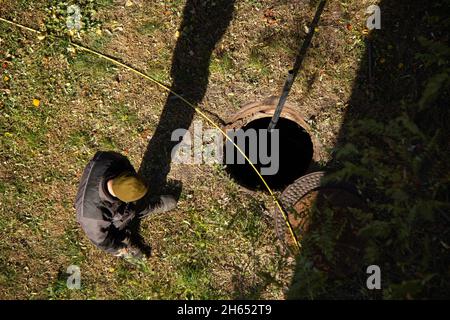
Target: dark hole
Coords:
[[295, 155]]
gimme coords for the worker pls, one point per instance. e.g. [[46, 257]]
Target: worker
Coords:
[[110, 195]]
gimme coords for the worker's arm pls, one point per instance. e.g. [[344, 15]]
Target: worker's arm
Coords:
[[103, 234], [114, 241]]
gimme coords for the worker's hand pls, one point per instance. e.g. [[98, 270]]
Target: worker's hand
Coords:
[[129, 252], [122, 252]]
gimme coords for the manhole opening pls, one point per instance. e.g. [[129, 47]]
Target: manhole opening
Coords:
[[294, 156]]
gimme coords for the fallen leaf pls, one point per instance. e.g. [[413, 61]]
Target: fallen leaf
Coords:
[[269, 16], [5, 78], [36, 102]]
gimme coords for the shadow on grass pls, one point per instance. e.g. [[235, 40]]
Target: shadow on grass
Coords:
[[392, 144], [203, 25]]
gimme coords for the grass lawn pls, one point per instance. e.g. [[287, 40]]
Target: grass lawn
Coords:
[[58, 106]]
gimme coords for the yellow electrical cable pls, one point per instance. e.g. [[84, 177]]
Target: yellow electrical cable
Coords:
[[198, 110]]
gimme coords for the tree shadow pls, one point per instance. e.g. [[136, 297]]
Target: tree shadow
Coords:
[[385, 147], [203, 25]]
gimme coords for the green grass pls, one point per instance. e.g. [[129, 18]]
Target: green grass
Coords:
[[122, 112], [47, 146], [150, 27], [98, 42], [78, 139], [87, 66], [59, 289], [158, 72], [219, 242], [73, 249], [257, 61], [193, 282], [223, 64], [7, 274], [107, 143]]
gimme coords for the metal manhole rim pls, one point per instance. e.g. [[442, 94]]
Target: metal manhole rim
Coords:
[[297, 191], [265, 109]]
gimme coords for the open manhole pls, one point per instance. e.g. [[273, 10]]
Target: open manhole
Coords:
[[297, 148]]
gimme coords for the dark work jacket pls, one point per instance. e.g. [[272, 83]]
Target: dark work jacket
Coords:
[[103, 217]]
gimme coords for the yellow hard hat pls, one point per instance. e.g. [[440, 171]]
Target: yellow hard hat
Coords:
[[128, 187]]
